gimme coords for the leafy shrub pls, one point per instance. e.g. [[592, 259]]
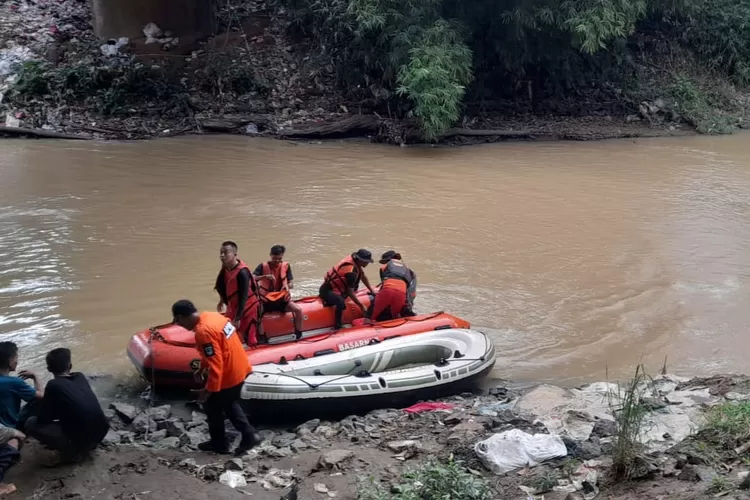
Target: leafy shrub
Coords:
[[431, 481]]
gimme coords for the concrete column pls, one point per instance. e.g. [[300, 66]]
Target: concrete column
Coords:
[[116, 18]]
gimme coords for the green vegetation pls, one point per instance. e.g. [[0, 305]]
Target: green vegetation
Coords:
[[727, 425], [430, 481], [117, 87], [424, 59], [628, 455], [544, 481]]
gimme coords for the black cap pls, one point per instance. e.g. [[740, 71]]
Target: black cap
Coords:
[[387, 256], [183, 308], [363, 255]]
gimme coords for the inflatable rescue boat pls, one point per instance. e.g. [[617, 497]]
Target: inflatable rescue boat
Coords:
[[389, 374], [166, 355]]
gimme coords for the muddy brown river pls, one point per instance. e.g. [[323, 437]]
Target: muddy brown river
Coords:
[[578, 258]]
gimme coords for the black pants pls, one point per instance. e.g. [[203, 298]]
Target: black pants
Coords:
[[331, 298], [8, 458], [30, 409], [52, 436], [225, 403]]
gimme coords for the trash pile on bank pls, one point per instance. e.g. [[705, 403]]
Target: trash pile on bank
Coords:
[[547, 432]]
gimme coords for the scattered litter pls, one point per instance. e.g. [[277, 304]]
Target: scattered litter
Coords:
[[233, 479], [276, 478], [513, 449], [112, 47], [321, 488]]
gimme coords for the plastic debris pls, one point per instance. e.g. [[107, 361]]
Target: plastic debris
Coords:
[[233, 479], [513, 449]]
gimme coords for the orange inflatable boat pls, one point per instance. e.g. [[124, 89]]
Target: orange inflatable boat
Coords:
[[315, 315], [166, 355]]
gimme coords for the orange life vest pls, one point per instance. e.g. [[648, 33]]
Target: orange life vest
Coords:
[[336, 277], [271, 291], [230, 282]]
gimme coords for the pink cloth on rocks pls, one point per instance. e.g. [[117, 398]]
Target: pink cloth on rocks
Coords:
[[431, 406]]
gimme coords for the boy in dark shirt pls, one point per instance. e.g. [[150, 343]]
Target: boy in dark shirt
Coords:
[[70, 419]]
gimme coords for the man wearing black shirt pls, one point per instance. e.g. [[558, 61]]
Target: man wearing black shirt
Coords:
[[70, 419]]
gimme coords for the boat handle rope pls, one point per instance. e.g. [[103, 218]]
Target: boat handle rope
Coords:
[[357, 364]]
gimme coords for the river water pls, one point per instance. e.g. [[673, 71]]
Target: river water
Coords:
[[580, 259]]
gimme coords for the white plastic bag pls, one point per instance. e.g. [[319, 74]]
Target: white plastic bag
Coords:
[[233, 479], [513, 449]]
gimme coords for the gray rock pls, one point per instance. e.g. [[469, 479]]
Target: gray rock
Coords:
[[696, 473], [234, 464], [604, 428], [334, 459], [112, 438], [143, 423], [310, 425], [584, 450], [126, 437], [298, 445], [745, 484], [284, 439], [159, 412], [198, 419], [468, 431], [452, 420], [110, 414], [189, 464], [125, 411], [168, 443], [193, 438], [326, 432], [407, 444], [173, 426], [274, 452], [157, 435], [267, 435]]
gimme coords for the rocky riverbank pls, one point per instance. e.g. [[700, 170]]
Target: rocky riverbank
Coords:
[[670, 437], [57, 80]]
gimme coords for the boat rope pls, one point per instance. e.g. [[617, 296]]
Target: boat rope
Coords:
[[357, 364]]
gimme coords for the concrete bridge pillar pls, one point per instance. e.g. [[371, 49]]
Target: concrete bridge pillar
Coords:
[[116, 18]]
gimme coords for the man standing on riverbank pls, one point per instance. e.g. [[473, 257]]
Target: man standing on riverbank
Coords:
[[239, 294], [343, 280], [221, 352], [275, 281], [70, 418]]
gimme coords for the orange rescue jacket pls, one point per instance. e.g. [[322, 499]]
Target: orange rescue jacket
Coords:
[[220, 348], [270, 291], [336, 276]]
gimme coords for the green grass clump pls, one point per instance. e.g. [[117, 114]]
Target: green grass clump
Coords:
[[430, 481]]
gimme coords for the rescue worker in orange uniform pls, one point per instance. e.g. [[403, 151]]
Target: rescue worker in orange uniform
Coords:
[[275, 281], [221, 352], [239, 294], [342, 280], [398, 283]]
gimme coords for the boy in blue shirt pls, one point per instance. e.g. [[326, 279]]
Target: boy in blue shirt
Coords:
[[13, 390]]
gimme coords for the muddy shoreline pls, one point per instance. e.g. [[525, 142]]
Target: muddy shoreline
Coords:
[[345, 127], [150, 450]]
